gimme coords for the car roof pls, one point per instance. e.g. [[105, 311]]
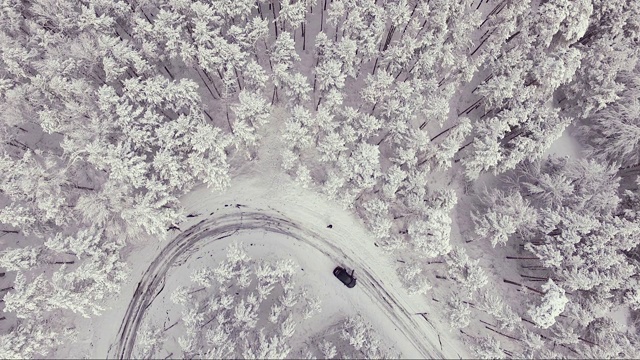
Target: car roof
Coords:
[[345, 277]]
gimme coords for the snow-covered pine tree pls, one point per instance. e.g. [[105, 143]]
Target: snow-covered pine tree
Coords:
[[552, 305], [465, 271], [377, 216], [282, 55], [609, 45], [458, 313], [34, 186], [506, 214], [236, 306], [519, 91], [30, 339], [612, 133], [488, 348]]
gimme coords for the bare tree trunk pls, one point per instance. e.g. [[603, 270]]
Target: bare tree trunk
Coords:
[[275, 23], [322, 16], [260, 10], [392, 30], [465, 145], [209, 116], [304, 36], [496, 10], [410, 17], [315, 77], [168, 72], [237, 78], [229, 120], [481, 43], [267, 48], [170, 326], [512, 135], [521, 258], [146, 16], [443, 132], [207, 85], [471, 107], [536, 277], [518, 284], [197, 290], [213, 83], [483, 81]]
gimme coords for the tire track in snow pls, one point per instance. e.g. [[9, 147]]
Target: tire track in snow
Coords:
[[178, 251]]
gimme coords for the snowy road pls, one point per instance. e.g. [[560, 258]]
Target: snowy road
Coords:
[[217, 227]]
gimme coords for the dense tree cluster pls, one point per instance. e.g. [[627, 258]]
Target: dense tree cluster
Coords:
[[571, 215], [241, 308], [246, 308], [111, 110]]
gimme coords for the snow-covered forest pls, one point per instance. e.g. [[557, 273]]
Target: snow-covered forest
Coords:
[[476, 162]]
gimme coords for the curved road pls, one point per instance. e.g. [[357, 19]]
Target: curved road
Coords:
[[214, 228]]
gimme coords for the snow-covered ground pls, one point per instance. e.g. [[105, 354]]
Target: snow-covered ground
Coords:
[[314, 273], [566, 145], [411, 149], [273, 217]]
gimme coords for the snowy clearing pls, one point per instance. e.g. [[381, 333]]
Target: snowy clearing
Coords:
[[378, 292]]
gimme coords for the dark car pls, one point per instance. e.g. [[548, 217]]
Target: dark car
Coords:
[[343, 275]]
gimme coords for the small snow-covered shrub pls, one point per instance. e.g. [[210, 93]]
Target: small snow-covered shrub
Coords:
[[202, 277], [392, 243], [488, 348], [414, 278], [180, 295], [327, 349], [376, 214], [458, 313], [431, 237], [148, 341], [552, 305], [303, 176], [465, 271], [493, 305], [364, 340], [500, 215]]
